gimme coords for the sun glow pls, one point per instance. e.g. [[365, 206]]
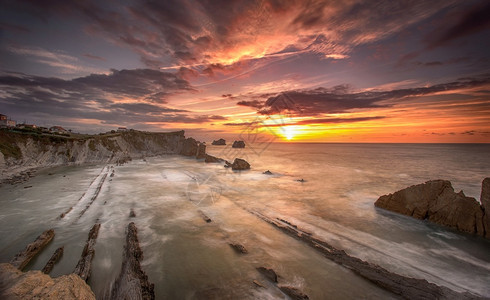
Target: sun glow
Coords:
[[289, 132]]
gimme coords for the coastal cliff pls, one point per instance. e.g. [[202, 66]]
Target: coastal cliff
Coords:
[[23, 151], [436, 201]]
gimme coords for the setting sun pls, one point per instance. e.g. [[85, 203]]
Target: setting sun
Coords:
[[289, 132]]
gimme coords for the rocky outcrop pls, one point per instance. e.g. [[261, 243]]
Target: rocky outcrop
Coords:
[[15, 284], [132, 282], [406, 287], [239, 164], [53, 260], [84, 265], [293, 293], [24, 257], [238, 144], [485, 203], [189, 147], [437, 202], [220, 142]]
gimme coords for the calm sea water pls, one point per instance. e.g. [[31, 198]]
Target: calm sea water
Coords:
[[188, 258]]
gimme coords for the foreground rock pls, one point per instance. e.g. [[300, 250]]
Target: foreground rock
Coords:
[[240, 249], [132, 282], [238, 144], [84, 265], [24, 257], [406, 287], [437, 202], [15, 284], [220, 142], [239, 164]]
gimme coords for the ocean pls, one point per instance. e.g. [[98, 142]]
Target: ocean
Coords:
[[328, 190]]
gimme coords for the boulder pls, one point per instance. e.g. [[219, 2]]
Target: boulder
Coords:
[[437, 202], [267, 172], [211, 159], [36, 285], [219, 142], [201, 151], [485, 203], [240, 164], [238, 144]]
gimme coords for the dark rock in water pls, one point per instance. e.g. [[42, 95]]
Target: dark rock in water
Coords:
[[132, 214], [267, 172], [294, 293], [300, 180], [84, 265], [22, 258], [437, 202], [211, 159], [485, 203], [268, 273], [53, 260], [257, 283], [238, 248], [205, 217], [227, 164], [201, 151], [238, 144], [240, 164], [219, 142], [132, 282]]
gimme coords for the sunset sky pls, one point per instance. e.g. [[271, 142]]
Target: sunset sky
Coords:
[[297, 71]]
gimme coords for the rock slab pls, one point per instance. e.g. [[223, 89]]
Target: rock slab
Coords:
[[24, 257]]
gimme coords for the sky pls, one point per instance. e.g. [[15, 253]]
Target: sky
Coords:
[[414, 71]]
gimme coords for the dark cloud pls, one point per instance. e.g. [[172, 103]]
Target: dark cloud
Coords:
[[307, 121], [340, 100], [121, 97], [214, 32], [474, 20]]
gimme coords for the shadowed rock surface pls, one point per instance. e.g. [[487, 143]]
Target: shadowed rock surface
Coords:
[[437, 202], [240, 164], [268, 273], [201, 151], [238, 144], [53, 260], [189, 147], [132, 282], [211, 159], [485, 202], [219, 142], [84, 265], [15, 284], [22, 258], [406, 287]]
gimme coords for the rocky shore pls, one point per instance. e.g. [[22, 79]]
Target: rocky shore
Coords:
[[437, 202], [21, 154]]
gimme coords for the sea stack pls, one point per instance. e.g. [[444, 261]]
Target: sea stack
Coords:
[[238, 144], [437, 202], [220, 142]]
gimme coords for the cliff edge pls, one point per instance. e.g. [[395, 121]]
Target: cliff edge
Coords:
[[24, 151]]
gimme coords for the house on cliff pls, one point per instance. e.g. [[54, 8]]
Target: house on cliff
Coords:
[[5, 121]]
